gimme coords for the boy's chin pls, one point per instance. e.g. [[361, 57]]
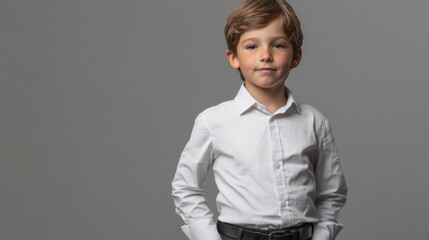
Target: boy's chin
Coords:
[[268, 84]]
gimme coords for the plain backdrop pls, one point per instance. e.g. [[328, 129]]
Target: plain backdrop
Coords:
[[98, 99]]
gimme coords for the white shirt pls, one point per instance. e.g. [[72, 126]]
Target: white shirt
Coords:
[[272, 170]]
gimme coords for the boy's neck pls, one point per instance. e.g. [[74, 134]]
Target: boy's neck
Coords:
[[272, 98]]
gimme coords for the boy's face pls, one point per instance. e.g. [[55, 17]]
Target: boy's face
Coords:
[[264, 56]]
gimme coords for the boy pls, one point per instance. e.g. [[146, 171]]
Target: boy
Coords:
[[274, 160]]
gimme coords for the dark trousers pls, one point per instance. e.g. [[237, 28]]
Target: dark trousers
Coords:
[[228, 238], [225, 237]]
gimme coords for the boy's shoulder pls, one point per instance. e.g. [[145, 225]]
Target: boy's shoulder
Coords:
[[218, 115], [223, 109], [309, 109]]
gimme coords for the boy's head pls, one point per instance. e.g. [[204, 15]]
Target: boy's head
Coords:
[[255, 14]]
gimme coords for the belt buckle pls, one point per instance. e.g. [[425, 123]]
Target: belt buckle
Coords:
[[274, 233]]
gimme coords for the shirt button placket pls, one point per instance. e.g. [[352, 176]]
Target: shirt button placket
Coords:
[[278, 164]]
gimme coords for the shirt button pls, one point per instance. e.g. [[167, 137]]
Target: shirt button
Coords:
[[284, 204], [278, 165]]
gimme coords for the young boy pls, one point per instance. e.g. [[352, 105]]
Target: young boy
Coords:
[[274, 160]]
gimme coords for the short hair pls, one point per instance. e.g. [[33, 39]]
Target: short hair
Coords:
[[256, 14]]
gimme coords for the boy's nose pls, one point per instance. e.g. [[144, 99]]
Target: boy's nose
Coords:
[[266, 55]]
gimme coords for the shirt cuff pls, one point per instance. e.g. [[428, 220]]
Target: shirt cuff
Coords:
[[326, 231], [201, 230]]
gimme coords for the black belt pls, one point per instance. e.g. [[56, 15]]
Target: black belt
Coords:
[[236, 232]]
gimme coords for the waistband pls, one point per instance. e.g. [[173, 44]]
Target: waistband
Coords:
[[303, 232]]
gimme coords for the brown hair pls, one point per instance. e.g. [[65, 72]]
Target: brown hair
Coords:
[[255, 14]]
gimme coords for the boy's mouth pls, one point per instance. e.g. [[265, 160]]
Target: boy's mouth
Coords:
[[266, 70]]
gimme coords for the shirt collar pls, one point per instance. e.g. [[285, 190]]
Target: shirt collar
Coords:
[[245, 101]]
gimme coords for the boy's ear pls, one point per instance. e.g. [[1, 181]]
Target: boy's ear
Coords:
[[296, 58], [232, 58]]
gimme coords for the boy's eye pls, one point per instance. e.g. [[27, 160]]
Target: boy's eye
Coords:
[[251, 46], [278, 45]]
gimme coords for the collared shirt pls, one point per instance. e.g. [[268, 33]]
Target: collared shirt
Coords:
[[272, 170]]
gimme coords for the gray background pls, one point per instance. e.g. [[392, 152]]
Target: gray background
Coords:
[[98, 98]]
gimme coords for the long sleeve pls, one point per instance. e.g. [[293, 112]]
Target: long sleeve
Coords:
[[331, 189], [189, 197]]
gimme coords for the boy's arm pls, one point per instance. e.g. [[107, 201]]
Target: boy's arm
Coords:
[[188, 195], [331, 186]]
